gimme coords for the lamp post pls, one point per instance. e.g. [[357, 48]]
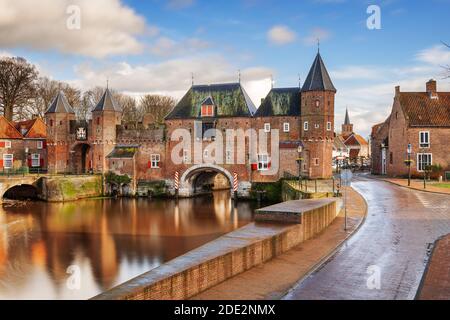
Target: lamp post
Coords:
[[299, 161], [409, 151]]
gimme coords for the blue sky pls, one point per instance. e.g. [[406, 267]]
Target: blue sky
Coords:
[[153, 46]]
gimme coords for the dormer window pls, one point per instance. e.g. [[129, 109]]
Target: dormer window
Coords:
[[207, 111], [207, 108]]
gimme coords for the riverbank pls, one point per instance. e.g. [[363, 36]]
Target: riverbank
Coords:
[[273, 279]]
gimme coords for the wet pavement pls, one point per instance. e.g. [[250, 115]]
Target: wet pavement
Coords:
[[386, 258]]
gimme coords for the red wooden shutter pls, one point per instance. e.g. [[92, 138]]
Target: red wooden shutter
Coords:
[[44, 144], [1, 163], [2, 144], [41, 162], [149, 165], [29, 162]]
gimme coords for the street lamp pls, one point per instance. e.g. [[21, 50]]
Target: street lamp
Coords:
[[299, 161], [408, 163]]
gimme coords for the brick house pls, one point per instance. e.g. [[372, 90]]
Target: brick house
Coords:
[[419, 119], [23, 145]]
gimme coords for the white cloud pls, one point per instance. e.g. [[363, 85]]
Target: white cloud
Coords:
[[357, 73], [166, 47], [281, 35], [437, 55], [108, 27], [5, 54], [172, 77], [316, 34]]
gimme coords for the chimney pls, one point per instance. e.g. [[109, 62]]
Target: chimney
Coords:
[[432, 89], [397, 90]]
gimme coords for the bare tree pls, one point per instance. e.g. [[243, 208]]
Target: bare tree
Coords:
[[156, 107], [17, 86], [45, 91], [131, 112]]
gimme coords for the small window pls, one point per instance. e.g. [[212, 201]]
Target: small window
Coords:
[[391, 158], [317, 126], [7, 144], [51, 123], [317, 103], [35, 160], [155, 160], [98, 121], [306, 126], [424, 139], [8, 160], [40, 145], [60, 123], [263, 162], [266, 127], [316, 161], [286, 127], [205, 153], [329, 126], [424, 160], [207, 111]]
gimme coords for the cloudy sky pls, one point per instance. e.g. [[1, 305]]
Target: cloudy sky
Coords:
[[155, 45]]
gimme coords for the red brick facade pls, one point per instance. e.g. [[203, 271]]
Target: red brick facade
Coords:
[[418, 119]]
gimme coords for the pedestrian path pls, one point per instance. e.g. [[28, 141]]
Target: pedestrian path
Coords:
[[273, 279]]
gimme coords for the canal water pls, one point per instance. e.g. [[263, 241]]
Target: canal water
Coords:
[[77, 250]]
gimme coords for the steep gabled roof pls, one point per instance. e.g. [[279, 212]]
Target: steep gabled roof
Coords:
[[107, 103], [8, 130], [230, 100], [318, 78], [355, 140], [422, 111], [35, 129], [60, 105], [280, 102]]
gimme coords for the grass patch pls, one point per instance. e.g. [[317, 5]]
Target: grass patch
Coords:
[[442, 185]]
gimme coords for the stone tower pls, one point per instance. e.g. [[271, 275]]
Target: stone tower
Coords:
[[317, 121], [347, 127], [58, 118], [106, 116]]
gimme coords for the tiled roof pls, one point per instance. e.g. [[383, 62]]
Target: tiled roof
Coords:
[[230, 100], [318, 78], [107, 103], [355, 139], [280, 102], [8, 130], [60, 105], [422, 111], [123, 152]]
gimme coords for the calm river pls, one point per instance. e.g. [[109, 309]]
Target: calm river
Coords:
[[106, 242]]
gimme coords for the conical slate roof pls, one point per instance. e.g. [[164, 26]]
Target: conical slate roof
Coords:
[[347, 118], [107, 103], [318, 78], [60, 105]]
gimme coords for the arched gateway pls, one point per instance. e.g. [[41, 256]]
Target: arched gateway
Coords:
[[189, 179]]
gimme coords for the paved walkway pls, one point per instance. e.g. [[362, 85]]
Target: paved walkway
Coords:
[[418, 185], [400, 225], [436, 282], [273, 279]]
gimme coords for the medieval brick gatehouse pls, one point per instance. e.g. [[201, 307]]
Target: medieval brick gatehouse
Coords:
[[419, 119], [186, 146]]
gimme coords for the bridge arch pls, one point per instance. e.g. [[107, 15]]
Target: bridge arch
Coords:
[[20, 192], [189, 179]]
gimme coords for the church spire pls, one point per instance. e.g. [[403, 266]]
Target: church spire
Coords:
[[347, 118]]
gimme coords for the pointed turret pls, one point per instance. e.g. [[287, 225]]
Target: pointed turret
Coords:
[[347, 118], [60, 105], [318, 78], [107, 103]]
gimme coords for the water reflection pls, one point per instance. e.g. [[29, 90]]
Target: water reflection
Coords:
[[110, 241]]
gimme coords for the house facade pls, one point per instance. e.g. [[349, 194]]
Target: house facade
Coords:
[[23, 145], [420, 120]]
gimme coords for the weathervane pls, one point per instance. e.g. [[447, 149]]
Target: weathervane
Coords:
[[318, 45], [192, 78], [239, 75], [299, 81]]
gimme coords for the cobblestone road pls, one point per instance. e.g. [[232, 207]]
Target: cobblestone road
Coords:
[[400, 225]]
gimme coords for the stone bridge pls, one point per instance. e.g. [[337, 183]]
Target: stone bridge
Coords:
[[7, 183]]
